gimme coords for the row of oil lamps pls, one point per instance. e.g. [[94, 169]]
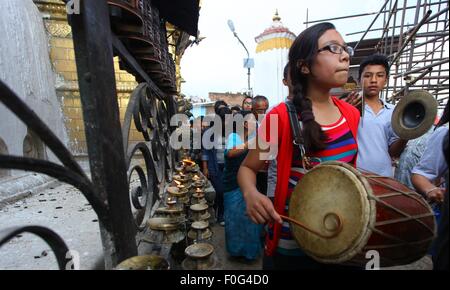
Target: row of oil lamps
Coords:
[[184, 216]]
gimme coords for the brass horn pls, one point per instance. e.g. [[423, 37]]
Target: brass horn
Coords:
[[414, 114]]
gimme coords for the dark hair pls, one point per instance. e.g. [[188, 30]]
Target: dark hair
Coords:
[[374, 59], [286, 71], [222, 112], [219, 103], [236, 108], [257, 99], [444, 117], [303, 52], [244, 113]]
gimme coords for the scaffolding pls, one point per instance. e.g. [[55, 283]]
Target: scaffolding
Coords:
[[415, 37]]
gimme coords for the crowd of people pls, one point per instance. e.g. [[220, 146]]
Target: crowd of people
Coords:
[[253, 193]]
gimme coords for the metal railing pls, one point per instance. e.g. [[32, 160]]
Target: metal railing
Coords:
[[109, 189]]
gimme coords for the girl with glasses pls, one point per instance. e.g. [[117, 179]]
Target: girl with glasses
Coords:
[[319, 61]]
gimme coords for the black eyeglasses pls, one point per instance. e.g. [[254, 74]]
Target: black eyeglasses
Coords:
[[338, 49]]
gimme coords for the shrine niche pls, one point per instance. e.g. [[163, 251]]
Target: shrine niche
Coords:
[[33, 146]]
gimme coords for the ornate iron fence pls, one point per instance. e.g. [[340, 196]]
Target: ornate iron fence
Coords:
[[150, 107]]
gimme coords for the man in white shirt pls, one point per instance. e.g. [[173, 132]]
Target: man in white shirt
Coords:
[[432, 165], [377, 142]]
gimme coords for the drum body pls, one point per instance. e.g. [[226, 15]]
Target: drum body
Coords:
[[377, 213]]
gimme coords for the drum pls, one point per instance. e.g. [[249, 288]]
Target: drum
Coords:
[[354, 212]]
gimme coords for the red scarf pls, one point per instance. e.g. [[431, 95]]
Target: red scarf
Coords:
[[284, 157]]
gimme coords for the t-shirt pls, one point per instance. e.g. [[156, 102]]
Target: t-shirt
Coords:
[[410, 157], [275, 131], [340, 146], [432, 163], [232, 164]]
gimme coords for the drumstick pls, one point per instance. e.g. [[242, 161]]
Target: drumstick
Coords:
[[336, 231]]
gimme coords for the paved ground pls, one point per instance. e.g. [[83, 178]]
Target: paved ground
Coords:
[[63, 209]]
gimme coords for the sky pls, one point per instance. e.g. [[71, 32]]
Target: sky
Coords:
[[216, 63]]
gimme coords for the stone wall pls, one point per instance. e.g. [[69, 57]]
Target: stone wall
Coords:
[[26, 69], [62, 58], [230, 98]]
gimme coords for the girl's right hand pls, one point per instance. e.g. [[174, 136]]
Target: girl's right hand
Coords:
[[354, 99], [260, 208]]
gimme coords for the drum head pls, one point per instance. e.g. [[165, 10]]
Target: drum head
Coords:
[[329, 190]]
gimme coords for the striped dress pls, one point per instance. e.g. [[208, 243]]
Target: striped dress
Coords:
[[341, 146]]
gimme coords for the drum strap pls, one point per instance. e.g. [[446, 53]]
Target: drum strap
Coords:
[[297, 127]]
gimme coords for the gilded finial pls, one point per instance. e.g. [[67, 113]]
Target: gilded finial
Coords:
[[276, 17]]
